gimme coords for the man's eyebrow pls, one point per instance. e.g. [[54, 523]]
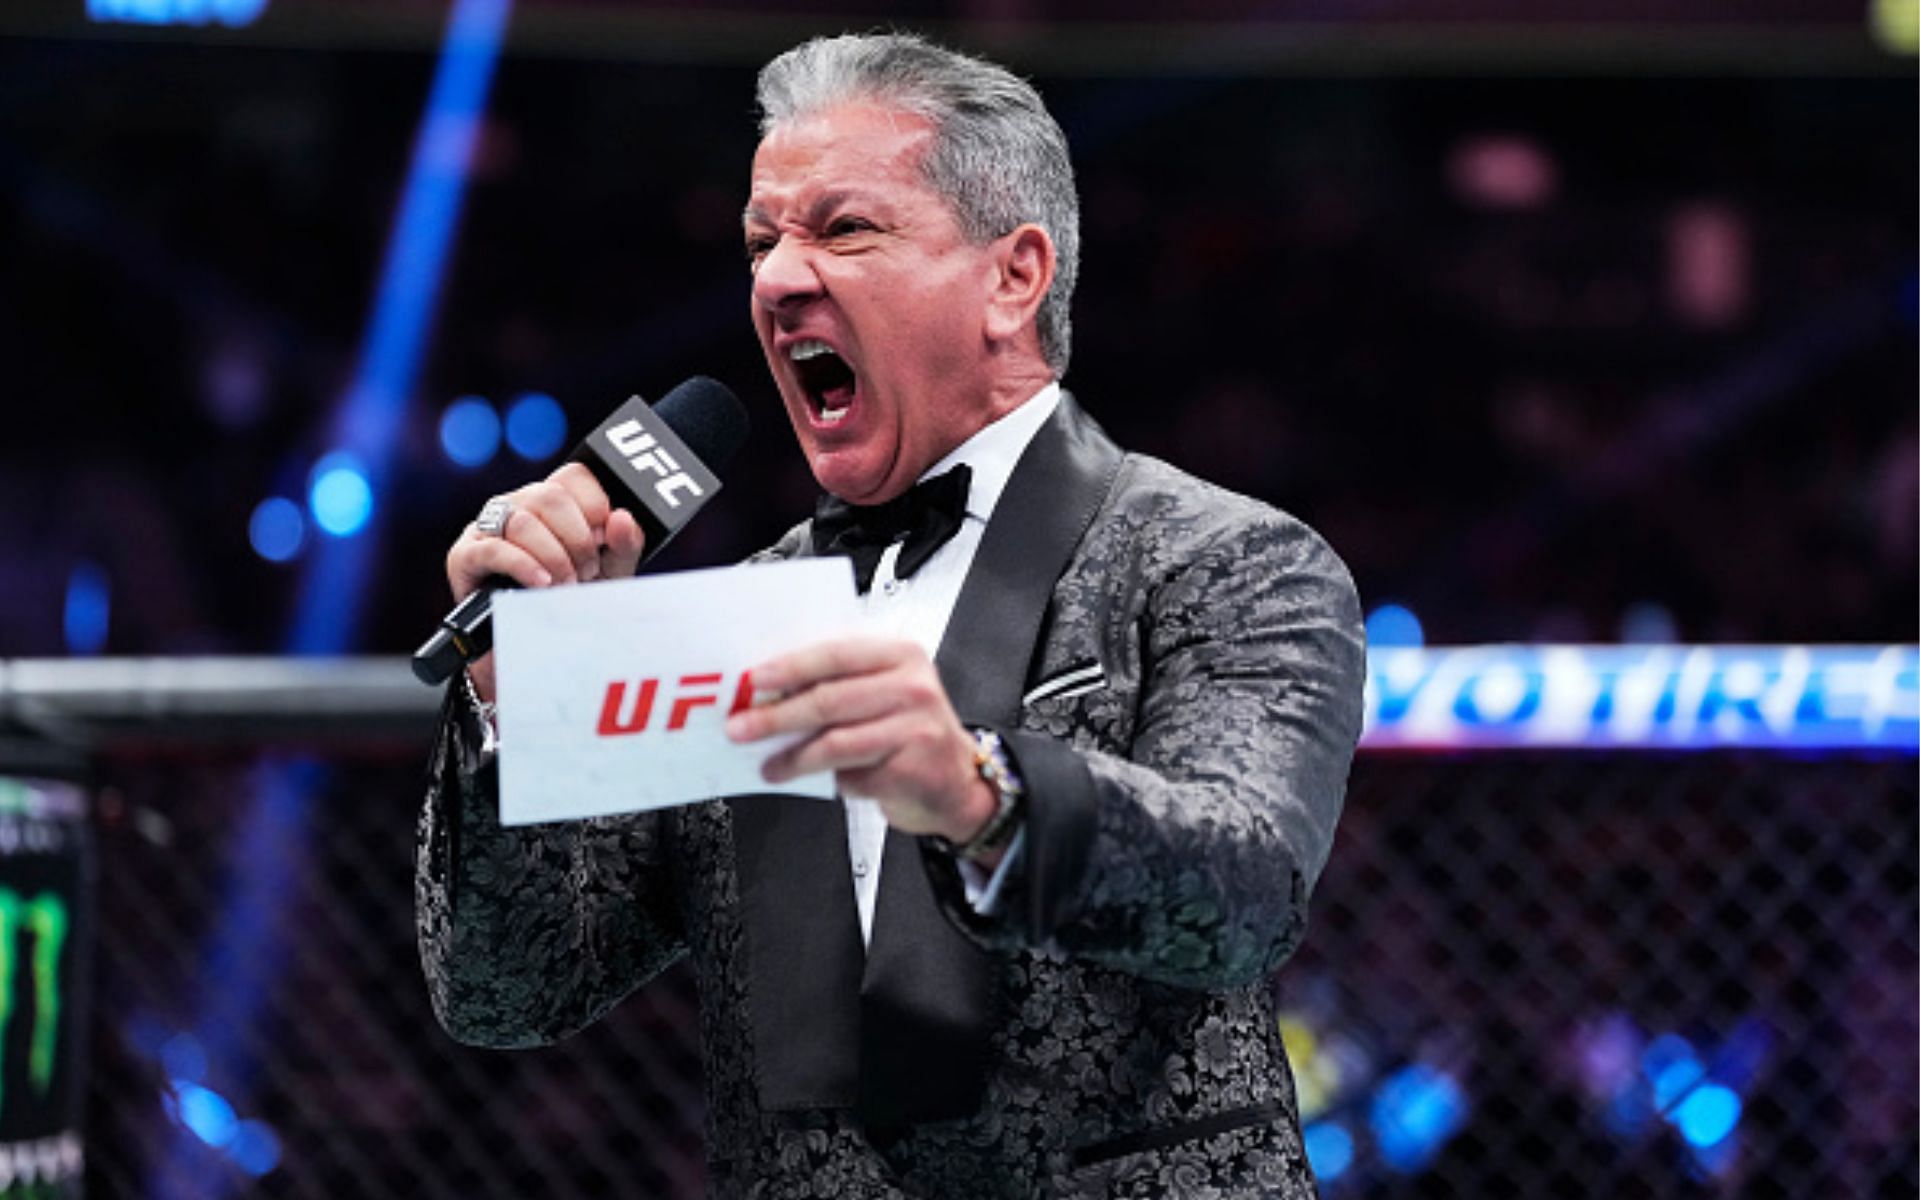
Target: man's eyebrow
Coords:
[[826, 202], [817, 211]]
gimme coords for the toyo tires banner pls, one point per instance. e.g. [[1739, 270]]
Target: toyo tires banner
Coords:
[[1808, 698]]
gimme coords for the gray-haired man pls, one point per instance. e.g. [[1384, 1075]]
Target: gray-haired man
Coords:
[[1092, 752]]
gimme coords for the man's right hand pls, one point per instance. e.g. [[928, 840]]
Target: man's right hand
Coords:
[[562, 529]]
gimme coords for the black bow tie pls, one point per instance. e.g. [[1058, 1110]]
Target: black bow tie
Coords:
[[926, 515]]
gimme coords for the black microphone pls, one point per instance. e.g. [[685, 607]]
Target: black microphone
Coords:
[[659, 463]]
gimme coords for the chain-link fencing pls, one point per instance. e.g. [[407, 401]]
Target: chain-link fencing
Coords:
[[1528, 975]]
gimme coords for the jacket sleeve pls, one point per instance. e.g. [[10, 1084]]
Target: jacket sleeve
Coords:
[[532, 932], [1187, 856]]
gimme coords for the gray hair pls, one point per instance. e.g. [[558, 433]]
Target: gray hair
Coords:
[[998, 157]]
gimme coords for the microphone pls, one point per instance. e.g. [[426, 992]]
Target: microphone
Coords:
[[660, 463]]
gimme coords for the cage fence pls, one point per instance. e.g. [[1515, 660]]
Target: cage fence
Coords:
[[1527, 975]]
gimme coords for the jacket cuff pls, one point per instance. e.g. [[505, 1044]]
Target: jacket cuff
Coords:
[[463, 784]]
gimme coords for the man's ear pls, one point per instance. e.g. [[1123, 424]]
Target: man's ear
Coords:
[[1024, 263]]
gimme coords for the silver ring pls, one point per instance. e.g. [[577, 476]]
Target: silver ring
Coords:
[[493, 518]]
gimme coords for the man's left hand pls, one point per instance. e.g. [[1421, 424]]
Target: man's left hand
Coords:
[[872, 711]]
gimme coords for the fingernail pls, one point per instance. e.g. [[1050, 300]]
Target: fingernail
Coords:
[[542, 579], [737, 727]]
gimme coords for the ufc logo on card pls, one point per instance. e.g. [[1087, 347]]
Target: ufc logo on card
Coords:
[[614, 698], [629, 710]]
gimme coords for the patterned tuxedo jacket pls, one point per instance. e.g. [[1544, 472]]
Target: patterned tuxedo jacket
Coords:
[[1177, 671]]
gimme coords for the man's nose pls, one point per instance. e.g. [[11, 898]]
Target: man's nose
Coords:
[[785, 276]]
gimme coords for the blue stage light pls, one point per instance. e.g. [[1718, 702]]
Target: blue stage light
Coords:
[[1708, 1114], [1394, 625], [206, 1113], [340, 496], [88, 609], [277, 529], [255, 1148], [1674, 1082], [1672, 1066], [175, 12], [372, 419], [1329, 1149], [470, 431], [536, 426], [338, 583], [1414, 1113]]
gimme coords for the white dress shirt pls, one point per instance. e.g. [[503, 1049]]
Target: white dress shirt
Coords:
[[917, 608], [920, 607]]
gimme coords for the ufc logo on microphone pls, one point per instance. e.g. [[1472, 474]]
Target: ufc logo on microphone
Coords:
[[644, 452], [620, 715]]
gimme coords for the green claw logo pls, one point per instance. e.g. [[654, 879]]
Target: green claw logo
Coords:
[[45, 917]]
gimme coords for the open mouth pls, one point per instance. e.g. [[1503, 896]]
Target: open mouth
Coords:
[[825, 377]]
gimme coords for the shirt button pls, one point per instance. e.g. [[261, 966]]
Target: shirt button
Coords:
[[890, 588], [860, 869]]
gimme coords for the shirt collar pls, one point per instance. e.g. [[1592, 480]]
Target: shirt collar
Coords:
[[993, 451]]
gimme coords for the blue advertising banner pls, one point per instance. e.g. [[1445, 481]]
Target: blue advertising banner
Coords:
[[1644, 697]]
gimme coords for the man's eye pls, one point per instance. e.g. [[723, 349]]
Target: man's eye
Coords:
[[758, 248], [847, 226]]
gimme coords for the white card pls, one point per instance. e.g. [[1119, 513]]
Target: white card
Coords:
[[614, 696]]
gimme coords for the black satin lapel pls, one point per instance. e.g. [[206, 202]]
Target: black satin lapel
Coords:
[[927, 1003], [803, 949], [928, 995], [1049, 502]]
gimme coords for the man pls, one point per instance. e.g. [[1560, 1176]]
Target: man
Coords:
[[1092, 756]]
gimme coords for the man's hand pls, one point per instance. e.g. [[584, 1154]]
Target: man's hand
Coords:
[[563, 529], [872, 711]]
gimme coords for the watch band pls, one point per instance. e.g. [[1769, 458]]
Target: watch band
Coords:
[[990, 758]]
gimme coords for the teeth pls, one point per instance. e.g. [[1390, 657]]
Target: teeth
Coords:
[[805, 351]]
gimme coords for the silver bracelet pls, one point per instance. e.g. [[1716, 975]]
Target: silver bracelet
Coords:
[[484, 710]]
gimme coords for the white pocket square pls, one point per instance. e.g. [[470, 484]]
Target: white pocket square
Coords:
[[1077, 682]]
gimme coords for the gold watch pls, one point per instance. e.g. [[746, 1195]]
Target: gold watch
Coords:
[[990, 758]]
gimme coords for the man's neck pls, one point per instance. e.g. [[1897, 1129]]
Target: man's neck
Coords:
[[1015, 389]]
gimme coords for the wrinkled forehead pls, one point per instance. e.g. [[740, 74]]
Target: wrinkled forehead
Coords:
[[857, 145]]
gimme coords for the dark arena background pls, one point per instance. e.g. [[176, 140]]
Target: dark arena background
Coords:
[[1584, 330]]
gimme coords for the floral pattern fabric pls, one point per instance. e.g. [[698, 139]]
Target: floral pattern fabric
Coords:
[[1138, 1054]]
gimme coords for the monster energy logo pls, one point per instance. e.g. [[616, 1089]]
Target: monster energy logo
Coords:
[[41, 1168], [45, 917]]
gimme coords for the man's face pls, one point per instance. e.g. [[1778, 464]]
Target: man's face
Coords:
[[869, 302]]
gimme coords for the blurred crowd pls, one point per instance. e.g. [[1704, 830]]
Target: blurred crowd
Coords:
[[1572, 359]]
